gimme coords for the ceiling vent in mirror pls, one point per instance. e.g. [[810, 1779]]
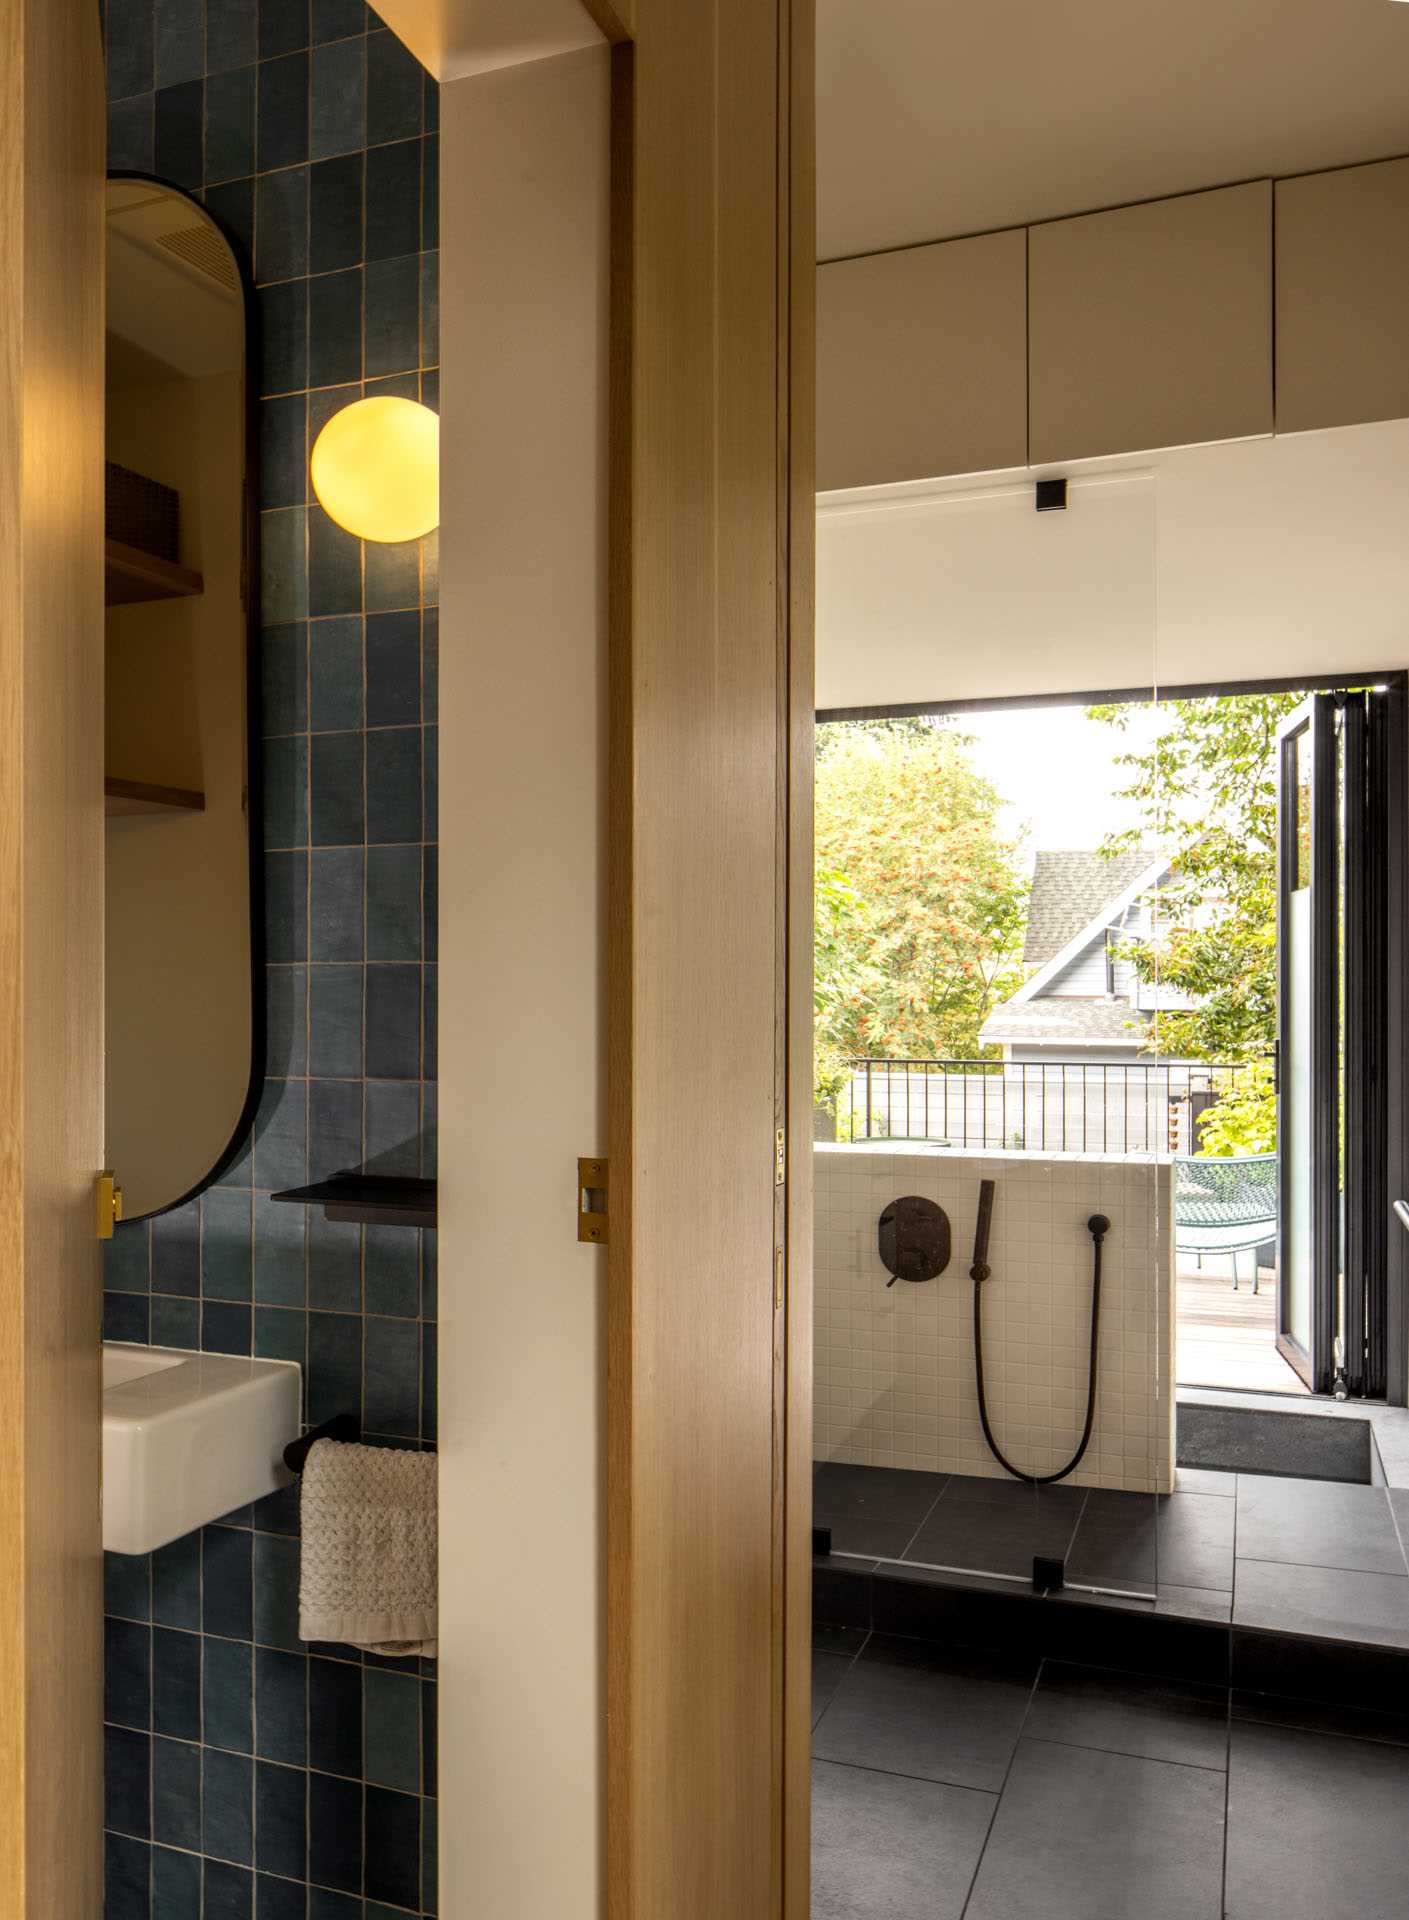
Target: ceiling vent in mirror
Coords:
[[201, 247]]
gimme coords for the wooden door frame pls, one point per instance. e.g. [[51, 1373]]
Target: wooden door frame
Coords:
[[51, 947], [800, 683], [647, 1850]]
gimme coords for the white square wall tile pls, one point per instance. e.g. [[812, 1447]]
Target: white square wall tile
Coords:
[[895, 1366]]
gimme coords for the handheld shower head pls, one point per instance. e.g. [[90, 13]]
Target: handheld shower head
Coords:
[[1098, 1226], [980, 1270]]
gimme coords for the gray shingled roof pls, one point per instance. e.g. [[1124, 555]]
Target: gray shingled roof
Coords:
[[1068, 891], [1052, 1019]]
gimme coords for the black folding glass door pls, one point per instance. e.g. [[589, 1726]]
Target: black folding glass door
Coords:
[[1340, 783]]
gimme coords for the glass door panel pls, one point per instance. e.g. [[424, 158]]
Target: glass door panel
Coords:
[[1296, 1261], [1309, 890]]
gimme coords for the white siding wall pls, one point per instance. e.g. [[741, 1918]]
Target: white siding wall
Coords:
[[1085, 978]]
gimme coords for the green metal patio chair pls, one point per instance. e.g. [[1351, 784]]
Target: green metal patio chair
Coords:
[[1225, 1206]]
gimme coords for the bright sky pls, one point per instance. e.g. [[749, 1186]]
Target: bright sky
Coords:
[[1056, 771]]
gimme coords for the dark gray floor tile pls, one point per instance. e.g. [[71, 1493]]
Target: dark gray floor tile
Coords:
[[1196, 1532], [934, 1713], [1317, 1523], [1316, 1716], [862, 1533], [998, 1530], [1297, 1666], [828, 1672], [1008, 1492], [1128, 1713], [1195, 1603], [1205, 1480], [1106, 1505], [1391, 1428], [827, 1638], [891, 1849], [1286, 1788], [1081, 1835], [1328, 1602], [1115, 1549], [842, 1593], [898, 1494]]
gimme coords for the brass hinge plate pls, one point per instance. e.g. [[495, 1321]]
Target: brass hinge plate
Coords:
[[593, 1185], [108, 1201]]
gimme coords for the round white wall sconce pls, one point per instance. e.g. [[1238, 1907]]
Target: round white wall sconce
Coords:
[[375, 469]]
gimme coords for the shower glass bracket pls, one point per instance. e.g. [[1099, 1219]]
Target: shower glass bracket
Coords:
[[1049, 1574]]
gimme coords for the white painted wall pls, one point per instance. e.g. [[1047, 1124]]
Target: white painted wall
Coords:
[[965, 591], [1244, 560], [524, 217]]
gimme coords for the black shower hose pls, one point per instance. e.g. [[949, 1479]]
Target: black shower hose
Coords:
[[1098, 1226]]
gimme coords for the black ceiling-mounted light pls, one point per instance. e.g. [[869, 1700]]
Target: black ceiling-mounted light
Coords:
[[1051, 496]]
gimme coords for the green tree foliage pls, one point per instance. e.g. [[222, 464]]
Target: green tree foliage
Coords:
[[1243, 1119], [920, 901], [1207, 788]]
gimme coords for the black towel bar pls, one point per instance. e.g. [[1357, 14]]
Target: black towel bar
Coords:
[[342, 1426]]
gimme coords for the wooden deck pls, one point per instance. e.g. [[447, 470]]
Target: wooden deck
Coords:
[[1227, 1339]]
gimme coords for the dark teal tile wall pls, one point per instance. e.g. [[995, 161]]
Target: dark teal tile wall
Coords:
[[250, 1777]]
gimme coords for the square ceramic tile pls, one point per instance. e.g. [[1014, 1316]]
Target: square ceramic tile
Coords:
[[1350, 1794], [892, 1849], [1086, 1835], [906, 1707], [1326, 1602]]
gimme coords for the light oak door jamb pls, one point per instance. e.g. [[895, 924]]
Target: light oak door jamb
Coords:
[[51, 947], [709, 1317]]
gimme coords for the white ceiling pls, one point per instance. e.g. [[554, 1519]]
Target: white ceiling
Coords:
[[455, 38], [178, 310], [941, 117]]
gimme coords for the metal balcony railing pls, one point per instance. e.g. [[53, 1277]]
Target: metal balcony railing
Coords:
[[1046, 1106]]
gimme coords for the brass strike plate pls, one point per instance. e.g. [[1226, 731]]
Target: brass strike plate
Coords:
[[592, 1187], [780, 1158], [108, 1196]]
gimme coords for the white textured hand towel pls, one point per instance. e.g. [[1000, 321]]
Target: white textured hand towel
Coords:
[[368, 1574]]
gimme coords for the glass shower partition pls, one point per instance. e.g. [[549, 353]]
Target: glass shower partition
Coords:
[[1048, 1098]]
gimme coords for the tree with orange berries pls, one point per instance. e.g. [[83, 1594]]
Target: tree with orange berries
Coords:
[[920, 900]]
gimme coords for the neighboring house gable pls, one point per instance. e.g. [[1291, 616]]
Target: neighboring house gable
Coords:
[[1079, 994], [1070, 891]]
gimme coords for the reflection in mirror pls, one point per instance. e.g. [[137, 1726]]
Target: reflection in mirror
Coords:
[[183, 1036]]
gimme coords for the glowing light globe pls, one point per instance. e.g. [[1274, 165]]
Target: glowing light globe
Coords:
[[375, 469]]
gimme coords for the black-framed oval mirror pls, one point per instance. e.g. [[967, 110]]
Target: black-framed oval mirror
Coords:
[[184, 975]]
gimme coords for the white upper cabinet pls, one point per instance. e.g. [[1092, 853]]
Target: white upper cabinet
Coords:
[[1140, 328], [1343, 297], [1151, 326], [922, 362]]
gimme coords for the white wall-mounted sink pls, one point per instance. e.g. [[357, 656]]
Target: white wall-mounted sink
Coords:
[[188, 1437]]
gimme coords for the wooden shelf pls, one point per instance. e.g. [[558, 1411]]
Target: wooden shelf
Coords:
[[133, 575], [374, 1199], [124, 798]]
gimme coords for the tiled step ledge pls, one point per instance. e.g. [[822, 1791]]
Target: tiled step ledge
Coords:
[[1165, 1637]]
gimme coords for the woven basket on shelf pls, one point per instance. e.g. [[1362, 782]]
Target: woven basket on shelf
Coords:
[[142, 513]]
